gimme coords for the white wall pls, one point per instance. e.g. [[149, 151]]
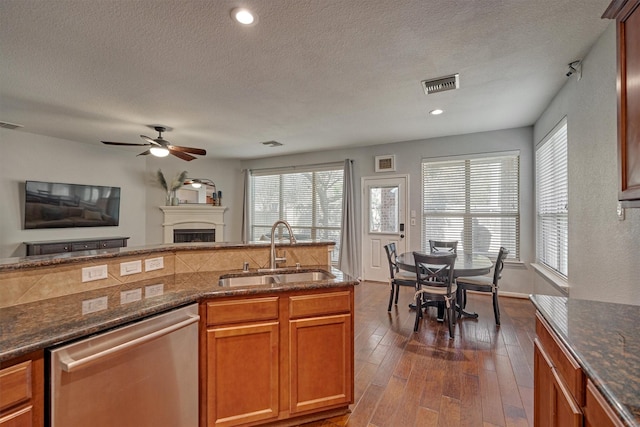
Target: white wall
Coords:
[[604, 253], [516, 278], [28, 156], [33, 157]]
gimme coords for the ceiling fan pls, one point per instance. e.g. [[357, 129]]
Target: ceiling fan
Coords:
[[160, 147]]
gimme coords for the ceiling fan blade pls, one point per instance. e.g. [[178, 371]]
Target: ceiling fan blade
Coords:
[[144, 153], [191, 150], [149, 140], [183, 156], [123, 143]]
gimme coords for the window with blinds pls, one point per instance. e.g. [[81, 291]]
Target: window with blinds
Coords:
[[474, 200], [310, 200], [552, 200]]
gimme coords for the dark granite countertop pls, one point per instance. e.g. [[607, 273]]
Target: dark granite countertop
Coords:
[[33, 326], [605, 340], [9, 264]]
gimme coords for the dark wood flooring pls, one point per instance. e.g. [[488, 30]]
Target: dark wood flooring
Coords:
[[483, 377]]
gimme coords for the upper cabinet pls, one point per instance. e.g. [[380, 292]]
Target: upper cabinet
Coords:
[[627, 16]]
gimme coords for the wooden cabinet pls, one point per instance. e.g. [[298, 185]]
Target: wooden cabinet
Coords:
[[321, 342], [627, 16], [563, 395], [60, 246], [22, 391], [242, 361], [276, 357], [558, 383]]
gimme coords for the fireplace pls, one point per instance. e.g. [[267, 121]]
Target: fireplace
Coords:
[[186, 235], [205, 221]]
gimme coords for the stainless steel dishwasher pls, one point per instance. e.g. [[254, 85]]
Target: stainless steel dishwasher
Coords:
[[142, 374]]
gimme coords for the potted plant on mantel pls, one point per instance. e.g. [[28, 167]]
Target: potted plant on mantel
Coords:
[[171, 187]]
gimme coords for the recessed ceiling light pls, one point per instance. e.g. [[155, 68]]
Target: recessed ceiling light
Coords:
[[244, 16], [436, 112]]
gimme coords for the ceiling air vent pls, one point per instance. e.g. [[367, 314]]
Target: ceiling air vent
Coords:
[[7, 125], [441, 84]]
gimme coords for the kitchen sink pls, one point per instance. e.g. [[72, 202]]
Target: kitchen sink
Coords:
[[275, 279]]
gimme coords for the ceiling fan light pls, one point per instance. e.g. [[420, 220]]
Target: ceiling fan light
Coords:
[[196, 184], [243, 16], [159, 151]]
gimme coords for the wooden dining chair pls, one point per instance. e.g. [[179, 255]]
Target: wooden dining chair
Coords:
[[434, 282], [483, 284], [443, 246], [397, 277]]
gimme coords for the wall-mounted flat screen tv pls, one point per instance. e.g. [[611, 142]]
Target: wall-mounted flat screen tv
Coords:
[[57, 205]]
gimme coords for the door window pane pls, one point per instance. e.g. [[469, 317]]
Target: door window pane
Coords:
[[383, 209]]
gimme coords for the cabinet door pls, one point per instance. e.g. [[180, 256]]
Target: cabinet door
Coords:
[[242, 374], [542, 380], [565, 411], [321, 362], [597, 412], [21, 418]]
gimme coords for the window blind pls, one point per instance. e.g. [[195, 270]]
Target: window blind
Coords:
[[310, 200], [473, 200], [552, 200]]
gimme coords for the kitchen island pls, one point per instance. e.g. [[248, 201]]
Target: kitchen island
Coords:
[[43, 303], [587, 360]]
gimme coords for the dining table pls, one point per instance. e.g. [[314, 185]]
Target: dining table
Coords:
[[466, 264]]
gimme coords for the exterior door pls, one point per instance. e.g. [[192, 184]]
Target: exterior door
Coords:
[[384, 221]]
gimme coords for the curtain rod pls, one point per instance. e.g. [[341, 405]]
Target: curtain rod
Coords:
[[314, 165]]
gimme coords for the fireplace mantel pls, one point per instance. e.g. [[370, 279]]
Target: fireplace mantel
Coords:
[[193, 216]]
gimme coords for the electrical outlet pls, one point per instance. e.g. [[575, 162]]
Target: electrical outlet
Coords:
[[153, 264], [131, 267], [154, 290], [93, 305], [130, 296], [94, 273]]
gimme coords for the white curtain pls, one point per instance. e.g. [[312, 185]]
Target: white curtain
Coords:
[[246, 220], [349, 261]]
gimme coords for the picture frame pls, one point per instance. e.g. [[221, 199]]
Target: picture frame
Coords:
[[385, 163]]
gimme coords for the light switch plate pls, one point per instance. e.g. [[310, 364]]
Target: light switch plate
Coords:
[[94, 273], [131, 267], [132, 295], [154, 290], [93, 305], [153, 264]]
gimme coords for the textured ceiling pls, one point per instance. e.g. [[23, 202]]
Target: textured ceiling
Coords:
[[311, 74]]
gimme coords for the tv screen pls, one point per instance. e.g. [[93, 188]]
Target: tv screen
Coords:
[[57, 205]]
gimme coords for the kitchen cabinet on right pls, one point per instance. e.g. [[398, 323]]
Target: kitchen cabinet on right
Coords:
[[627, 16]]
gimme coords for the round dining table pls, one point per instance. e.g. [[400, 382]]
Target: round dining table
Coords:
[[465, 265]]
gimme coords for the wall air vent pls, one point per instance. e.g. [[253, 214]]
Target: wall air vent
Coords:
[[7, 125], [271, 143], [441, 84]]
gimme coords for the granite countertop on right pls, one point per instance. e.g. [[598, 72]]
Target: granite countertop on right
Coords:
[[605, 340]]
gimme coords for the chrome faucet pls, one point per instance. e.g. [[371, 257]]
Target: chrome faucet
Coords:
[[273, 259]]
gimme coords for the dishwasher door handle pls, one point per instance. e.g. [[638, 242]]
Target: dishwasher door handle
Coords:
[[68, 364]]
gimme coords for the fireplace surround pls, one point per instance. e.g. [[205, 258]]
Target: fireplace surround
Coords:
[[193, 217]]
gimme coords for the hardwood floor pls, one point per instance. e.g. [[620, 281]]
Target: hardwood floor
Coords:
[[483, 377]]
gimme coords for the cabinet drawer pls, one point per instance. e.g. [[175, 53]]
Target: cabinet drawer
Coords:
[[15, 385], [319, 304], [598, 412], [244, 310], [562, 361], [84, 246], [113, 243], [52, 249]]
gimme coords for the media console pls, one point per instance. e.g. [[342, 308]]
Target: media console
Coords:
[[60, 246]]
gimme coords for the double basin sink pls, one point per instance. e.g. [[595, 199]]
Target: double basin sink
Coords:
[[275, 279]]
